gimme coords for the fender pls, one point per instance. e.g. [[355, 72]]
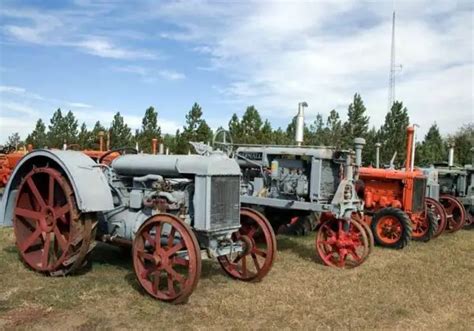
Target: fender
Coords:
[[90, 185]]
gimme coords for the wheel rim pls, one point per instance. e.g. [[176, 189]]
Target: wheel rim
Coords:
[[259, 248], [421, 226], [43, 219], [342, 244], [455, 213], [168, 269], [439, 213], [389, 229], [361, 219]]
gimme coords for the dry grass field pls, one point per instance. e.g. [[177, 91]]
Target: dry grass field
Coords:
[[426, 286]]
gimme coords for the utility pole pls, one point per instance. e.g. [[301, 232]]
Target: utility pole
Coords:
[[393, 68]]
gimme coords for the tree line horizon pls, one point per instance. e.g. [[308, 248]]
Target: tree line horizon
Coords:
[[252, 129]]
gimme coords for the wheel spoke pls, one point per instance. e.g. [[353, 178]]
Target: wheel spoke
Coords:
[[244, 266], [145, 256], [175, 248], [171, 290], [255, 261], [61, 211], [45, 254], [51, 192], [171, 236], [36, 193], [180, 261], [149, 238], [30, 240], [28, 213], [175, 275], [60, 239], [260, 252], [158, 236]]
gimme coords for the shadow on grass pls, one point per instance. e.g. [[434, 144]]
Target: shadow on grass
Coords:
[[303, 250]]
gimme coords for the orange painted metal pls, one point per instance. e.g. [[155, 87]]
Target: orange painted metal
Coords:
[[393, 188], [8, 162]]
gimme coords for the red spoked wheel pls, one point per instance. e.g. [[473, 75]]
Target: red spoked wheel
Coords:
[[342, 243], [361, 219], [440, 215], [258, 248], [50, 235], [455, 213], [167, 258], [470, 218]]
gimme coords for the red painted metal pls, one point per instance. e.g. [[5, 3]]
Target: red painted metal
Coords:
[[48, 235], [455, 213], [8, 162], [438, 210], [167, 258], [342, 244], [256, 259]]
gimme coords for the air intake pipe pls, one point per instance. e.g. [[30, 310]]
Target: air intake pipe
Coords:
[[451, 156], [299, 129]]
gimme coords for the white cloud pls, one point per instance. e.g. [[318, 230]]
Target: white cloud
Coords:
[[171, 75], [105, 48], [151, 75]]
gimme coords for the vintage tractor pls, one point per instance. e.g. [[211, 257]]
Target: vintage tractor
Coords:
[[171, 209], [456, 192], [395, 204], [432, 199], [315, 184]]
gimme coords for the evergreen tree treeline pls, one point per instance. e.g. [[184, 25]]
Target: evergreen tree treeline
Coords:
[[252, 129]]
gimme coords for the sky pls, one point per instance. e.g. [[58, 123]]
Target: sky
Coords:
[[99, 57]]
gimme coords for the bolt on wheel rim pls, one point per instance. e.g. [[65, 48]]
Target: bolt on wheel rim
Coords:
[[43, 217], [258, 248], [166, 258]]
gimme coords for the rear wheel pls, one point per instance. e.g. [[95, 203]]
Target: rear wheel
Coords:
[[440, 214], [391, 228], [455, 213], [51, 235]]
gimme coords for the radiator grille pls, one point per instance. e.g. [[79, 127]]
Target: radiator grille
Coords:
[[419, 187], [225, 202]]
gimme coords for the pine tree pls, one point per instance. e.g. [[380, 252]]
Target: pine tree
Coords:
[[70, 128], [357, 122], [393, 134], [196, 130], [334, 127], [433, 148], [317, 134], [94, 142], [266, 134], [150, 129], [250, 126], [14, 140], [38, 138], [56, 130], [84, 137], [369, 151], [235, 129], [463, 141], [120, 133]]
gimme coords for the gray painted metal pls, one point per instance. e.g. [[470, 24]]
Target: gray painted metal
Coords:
[[175, 165], [90, 185]]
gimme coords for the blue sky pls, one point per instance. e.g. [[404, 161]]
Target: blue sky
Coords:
[[100, 57]]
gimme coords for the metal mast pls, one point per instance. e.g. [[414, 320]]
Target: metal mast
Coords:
[[391, 87]]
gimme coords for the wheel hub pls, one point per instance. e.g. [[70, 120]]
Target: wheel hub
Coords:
[[247, 245]]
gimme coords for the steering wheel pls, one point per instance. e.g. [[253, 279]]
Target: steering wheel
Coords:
[[223, 141], [121, 151]]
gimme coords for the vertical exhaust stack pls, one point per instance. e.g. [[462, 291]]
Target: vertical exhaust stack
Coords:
[[161, 149], [410, 148], [154, 141], [299, 130], [358, 146], [377, 155], [451, 156]]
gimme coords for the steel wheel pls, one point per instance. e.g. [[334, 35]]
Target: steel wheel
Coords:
[[455, 213], [50, 235], [342, 244], [167, 258], [259, 248], [361, 219], [440, 214]]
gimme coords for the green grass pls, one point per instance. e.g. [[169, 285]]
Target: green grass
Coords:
[[425, 286]]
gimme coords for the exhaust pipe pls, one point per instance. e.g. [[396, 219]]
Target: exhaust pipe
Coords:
[[101, 141], [377, 155], [154, 141], [451, 156], [299, 130], [161, 149], [358, 145]]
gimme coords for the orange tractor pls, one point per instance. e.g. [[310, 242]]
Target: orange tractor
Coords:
[[9, 158], [395, 205]]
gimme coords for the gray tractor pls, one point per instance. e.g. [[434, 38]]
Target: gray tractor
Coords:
[[172, 210]]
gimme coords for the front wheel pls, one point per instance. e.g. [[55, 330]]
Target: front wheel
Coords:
[[425, 226], [391, 228], [437, 208], [258, 248], [455, 213], [166, 258]]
